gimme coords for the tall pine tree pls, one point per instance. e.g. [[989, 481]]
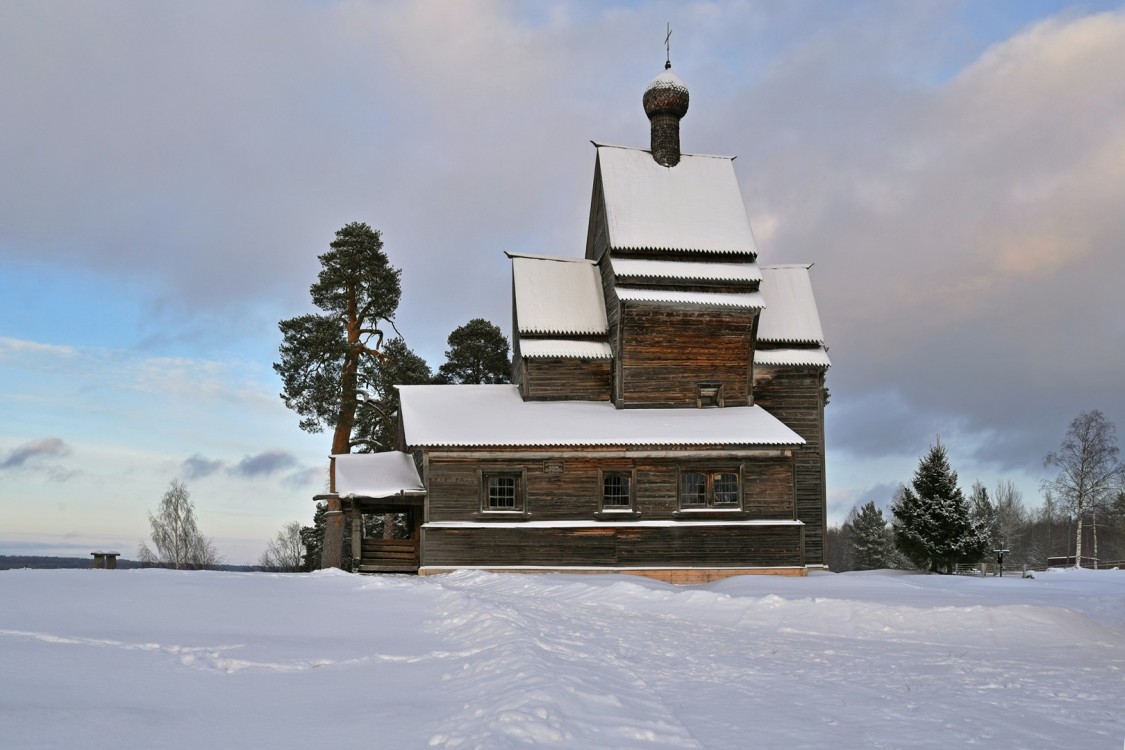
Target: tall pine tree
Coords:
[[478, 353], [932, 523], [325, 357]]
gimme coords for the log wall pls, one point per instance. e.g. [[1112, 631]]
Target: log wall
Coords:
[[795, 396], [558, 379], [667, 351], [616, 546]]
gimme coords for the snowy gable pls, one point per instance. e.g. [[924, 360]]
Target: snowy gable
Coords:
[[495, 415], [792, 357], [376, 475], [748, 300], [564, 349], [790, 315], [557, 296], [630, 268], [693, 206]]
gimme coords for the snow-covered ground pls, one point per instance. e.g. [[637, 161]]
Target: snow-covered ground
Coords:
[[155, 659]]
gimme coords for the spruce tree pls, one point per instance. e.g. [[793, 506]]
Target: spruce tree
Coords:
[[932, 524], [871, 540], [985, 516]]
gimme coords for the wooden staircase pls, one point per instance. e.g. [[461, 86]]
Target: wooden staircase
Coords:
[[389, 556]]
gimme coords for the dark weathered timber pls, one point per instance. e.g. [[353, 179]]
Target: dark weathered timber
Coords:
[[570, 379], [617, 546], [569, 488], [667, 351], [390, 555], [795, 396]]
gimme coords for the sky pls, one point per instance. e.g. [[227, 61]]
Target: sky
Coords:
[[172, 170]]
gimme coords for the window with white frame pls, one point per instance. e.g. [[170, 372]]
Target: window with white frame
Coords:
[[502, 492]]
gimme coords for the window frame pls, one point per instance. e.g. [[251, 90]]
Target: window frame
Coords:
[[712, 475], [709, 396], [617, 510], [485, 475]]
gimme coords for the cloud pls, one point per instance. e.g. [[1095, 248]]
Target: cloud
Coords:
[[264, 464], [198, 467], [10, 346], [33, 452], [966, 235]]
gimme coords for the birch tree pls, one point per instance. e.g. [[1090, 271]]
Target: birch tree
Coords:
[[1089, 472], [175, 535], [286, 552]]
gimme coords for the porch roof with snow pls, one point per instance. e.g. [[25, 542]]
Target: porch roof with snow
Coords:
[[695, 206], [376, 475], [557, 296], [496, 415], [790, 314]]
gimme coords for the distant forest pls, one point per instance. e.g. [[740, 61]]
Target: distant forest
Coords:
[[14, 562]]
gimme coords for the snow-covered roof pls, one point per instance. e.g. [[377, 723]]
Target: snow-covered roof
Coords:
[[790, 315], [630, 268], [376, 475], [565, 348], [792, 357], [751, 300], [558, 295], [695, 205], [495, 415]]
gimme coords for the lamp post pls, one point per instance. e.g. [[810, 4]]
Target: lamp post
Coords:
[[1000, 559]]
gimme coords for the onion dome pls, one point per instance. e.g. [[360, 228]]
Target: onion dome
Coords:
[[666, 101], [667, 94]]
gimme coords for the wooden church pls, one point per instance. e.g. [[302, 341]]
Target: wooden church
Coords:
[[666, 416]]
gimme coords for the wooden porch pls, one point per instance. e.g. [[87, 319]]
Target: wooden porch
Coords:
[[389, 556], [380, 554]]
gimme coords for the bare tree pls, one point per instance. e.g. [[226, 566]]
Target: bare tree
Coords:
[[1012, 518], [285, 554], [175, 534], [1089, 470]]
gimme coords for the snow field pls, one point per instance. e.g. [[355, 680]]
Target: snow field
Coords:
[[163, 659]]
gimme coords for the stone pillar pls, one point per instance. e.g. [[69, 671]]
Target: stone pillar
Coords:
[[357, 535], [332, 556]]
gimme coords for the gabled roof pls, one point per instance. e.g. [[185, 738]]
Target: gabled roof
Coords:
[[693, 206], [376, 475], [790, 316], [495, 415], [557, 296], [631, 268]]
